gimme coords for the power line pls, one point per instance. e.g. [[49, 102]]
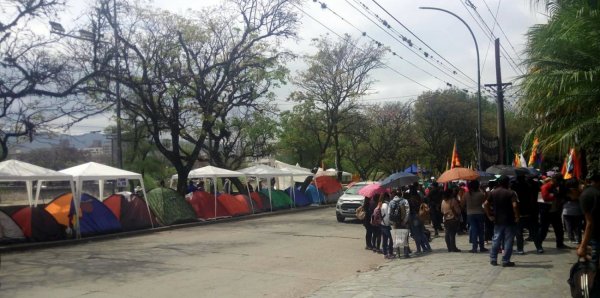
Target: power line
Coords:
[[501, 30], [337, 34], [413, 34], [325, 6]]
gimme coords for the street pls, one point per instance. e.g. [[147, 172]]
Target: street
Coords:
[[289, 255]]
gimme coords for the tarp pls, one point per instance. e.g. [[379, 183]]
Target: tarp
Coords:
[[169, 206], [203, 204], [300, 199], [314, 195], [328, 184], [14, 170], [279, 199], [264, 171], [414, 169], [9, 230], [95, 217], [235, 205], [38, 225], [131, 211]]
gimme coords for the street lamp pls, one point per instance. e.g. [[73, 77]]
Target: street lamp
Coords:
[[58, 29], [478, 84]]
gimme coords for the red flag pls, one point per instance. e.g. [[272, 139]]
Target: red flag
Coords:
[[455, 162]]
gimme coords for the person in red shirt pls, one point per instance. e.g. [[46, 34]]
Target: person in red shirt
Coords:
[[551, 212]]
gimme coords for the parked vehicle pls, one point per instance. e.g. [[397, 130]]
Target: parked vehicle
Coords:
[[349, 201]]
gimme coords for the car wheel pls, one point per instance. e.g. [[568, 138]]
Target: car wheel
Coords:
[[340, 218]]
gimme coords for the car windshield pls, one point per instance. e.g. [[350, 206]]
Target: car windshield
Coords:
[[354, 189]]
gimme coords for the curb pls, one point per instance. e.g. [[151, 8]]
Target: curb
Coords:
[[40, 245]]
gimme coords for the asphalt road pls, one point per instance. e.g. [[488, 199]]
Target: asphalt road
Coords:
[[304, 254], [291, 255]]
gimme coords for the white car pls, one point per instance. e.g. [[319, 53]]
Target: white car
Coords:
[[349, 201]]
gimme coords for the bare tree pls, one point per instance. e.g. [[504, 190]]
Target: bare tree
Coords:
[[188, 75], [337, 75]]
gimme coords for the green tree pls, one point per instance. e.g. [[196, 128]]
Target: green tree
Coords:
[[561, 89]]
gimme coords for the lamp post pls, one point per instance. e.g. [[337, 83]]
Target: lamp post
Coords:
[[57, 28], [478, 84]]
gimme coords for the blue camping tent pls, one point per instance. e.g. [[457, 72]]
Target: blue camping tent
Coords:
[[95, 218], [300, 199], [414, 169], [314, 195]]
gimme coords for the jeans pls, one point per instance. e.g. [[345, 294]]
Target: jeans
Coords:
[[548, 218], [388, 244], [574, 224], [369, 235], [436, 217], [476, 222], [451, 227], [376, 240], [418, 232], [506, 233], [530, 223]]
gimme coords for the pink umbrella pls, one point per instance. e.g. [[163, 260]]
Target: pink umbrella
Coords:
[[372, 189]]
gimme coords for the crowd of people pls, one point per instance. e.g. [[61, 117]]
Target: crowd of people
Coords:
[[497, 213]]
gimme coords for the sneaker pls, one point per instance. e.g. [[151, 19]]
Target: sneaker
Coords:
[[473, 251], [540, 251], [520, 252], [508, 264], [494, 263], [483, 250]]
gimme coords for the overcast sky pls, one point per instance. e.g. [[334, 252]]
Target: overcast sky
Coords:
[[402, 78]]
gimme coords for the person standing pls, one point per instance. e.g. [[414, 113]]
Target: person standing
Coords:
[[399, 214], [551, 212], [591, 235], [451, 214], [417, 229], [505, 218], [572, 212], [376, 231], [435, 202], [386, 228], [527, 202], [474, 199], [367, 223]]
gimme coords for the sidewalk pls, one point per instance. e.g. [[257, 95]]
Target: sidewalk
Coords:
[[464, 274]]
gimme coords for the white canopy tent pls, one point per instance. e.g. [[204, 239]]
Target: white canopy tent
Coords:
[[268, 172], [214, 173], [295, 171], [14, 170], [96, 171]]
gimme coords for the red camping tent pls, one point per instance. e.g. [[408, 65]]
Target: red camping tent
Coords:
[[235, 205], [131, 212], [38, 225], [203, 204]]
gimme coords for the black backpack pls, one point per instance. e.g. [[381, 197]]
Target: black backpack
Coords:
[[397, 211], [581, 278]]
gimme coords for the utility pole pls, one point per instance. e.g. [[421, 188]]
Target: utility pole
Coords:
[[499, 86], [117, 88]]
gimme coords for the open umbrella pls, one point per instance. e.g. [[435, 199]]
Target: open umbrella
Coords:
[[458, 174], [502, 170], [328, 184], [371, 189], [399, 179]]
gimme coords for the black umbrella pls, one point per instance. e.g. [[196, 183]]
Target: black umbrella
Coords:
[[399, 179], [502, 170]]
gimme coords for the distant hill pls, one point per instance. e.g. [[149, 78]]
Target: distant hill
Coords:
[[46, 140]]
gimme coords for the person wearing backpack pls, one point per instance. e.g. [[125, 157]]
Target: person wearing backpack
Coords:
[[375, 224], [399, 214], [367, 224], [590, 241], [386, 229]]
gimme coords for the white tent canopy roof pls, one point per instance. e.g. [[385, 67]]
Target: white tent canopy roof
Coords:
[[331, 172], [294, 170], [97, 171], [264, 171], [210, 171], [14, 170]]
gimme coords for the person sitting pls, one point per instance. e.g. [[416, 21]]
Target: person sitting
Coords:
[[191, 187]]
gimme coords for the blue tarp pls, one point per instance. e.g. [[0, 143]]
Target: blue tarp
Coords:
[[95, 218], [300, 199], [414, 169], [314, 195]]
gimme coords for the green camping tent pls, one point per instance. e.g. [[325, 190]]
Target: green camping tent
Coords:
[[170, 207], [280, 199]]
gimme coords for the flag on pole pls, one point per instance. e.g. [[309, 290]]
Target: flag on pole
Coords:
[[522, 161], [516, 161], [535, 159], [572, 165], [455, 162]]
